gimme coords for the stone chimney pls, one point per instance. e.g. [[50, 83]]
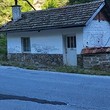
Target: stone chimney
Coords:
[[16, 11]]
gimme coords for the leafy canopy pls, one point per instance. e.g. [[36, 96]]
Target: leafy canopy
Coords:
[[5, 9]]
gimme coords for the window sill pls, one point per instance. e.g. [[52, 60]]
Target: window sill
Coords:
[[26, 52]]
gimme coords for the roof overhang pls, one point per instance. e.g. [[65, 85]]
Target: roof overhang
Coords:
[[97, 11], [44, 28]]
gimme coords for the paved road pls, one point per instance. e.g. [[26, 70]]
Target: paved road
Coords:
[[22, 89]]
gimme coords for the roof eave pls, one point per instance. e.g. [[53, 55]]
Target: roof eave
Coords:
[[41, 29]]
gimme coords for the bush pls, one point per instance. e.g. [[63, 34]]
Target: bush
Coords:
[[3, 45]]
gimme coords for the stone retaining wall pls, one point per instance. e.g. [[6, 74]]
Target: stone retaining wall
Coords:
[[45, 59], [100, 60], [80, 60], [97, 58]]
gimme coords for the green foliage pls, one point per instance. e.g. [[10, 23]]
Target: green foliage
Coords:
[[50, 4], [5, 6], [3, 44], [54, 3], [62, 3], [5, 9], [91, 71], [25, 6]]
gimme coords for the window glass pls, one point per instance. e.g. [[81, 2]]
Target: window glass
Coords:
[[25, 44], [71, 42], [68, 42], [74, 42]]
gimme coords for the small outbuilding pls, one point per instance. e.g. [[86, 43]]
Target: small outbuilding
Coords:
[[58, 36]]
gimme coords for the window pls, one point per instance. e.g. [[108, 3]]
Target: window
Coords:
[[71, 42], [25, 43]]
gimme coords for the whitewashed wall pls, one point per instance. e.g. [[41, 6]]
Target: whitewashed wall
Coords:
[[41, 42], [97, 34], [48, 41], [13, 43]]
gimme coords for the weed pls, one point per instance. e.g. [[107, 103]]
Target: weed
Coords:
[[66, 69]]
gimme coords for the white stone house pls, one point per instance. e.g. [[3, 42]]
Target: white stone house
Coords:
[[57, 36]]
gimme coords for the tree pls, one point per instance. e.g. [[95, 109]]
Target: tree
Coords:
[[54, 3], [3, 45], [62, 3], [5, 9], [50, 4]]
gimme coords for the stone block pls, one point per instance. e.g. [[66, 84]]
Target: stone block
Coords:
[[47, 59]]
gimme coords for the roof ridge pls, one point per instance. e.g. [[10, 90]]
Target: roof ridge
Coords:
[[64, 7]]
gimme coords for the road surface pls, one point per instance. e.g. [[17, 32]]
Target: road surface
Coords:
[[22, 89]]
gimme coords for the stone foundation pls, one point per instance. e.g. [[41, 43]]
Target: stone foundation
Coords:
[[45, 59], [80, 60]]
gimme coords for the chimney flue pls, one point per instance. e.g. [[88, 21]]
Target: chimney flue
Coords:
[[16, 2]]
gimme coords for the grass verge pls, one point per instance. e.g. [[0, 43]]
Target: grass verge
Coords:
[[66, 69], [91, 71]]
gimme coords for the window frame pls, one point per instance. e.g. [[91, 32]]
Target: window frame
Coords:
[[71, 42], [23, 48]]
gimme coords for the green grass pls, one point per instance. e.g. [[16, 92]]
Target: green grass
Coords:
[[65, 69], [91, 71]]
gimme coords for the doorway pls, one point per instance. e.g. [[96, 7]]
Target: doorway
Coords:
[[70, 51]]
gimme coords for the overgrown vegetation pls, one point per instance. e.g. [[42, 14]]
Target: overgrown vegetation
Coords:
[[54, 3], [65, 69], [92, 71], [3, 47], [5, 9], [59, 3], [3, 44]]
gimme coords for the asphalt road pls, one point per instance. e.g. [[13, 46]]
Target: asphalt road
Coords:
[[22, 89]]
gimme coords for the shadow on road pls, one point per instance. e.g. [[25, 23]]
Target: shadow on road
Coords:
[[23, 98]]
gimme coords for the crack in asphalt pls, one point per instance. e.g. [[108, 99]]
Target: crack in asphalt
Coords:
[[23, 98]]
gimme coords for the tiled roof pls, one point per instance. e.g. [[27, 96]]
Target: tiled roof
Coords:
[[70, 16], [96, 50]]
